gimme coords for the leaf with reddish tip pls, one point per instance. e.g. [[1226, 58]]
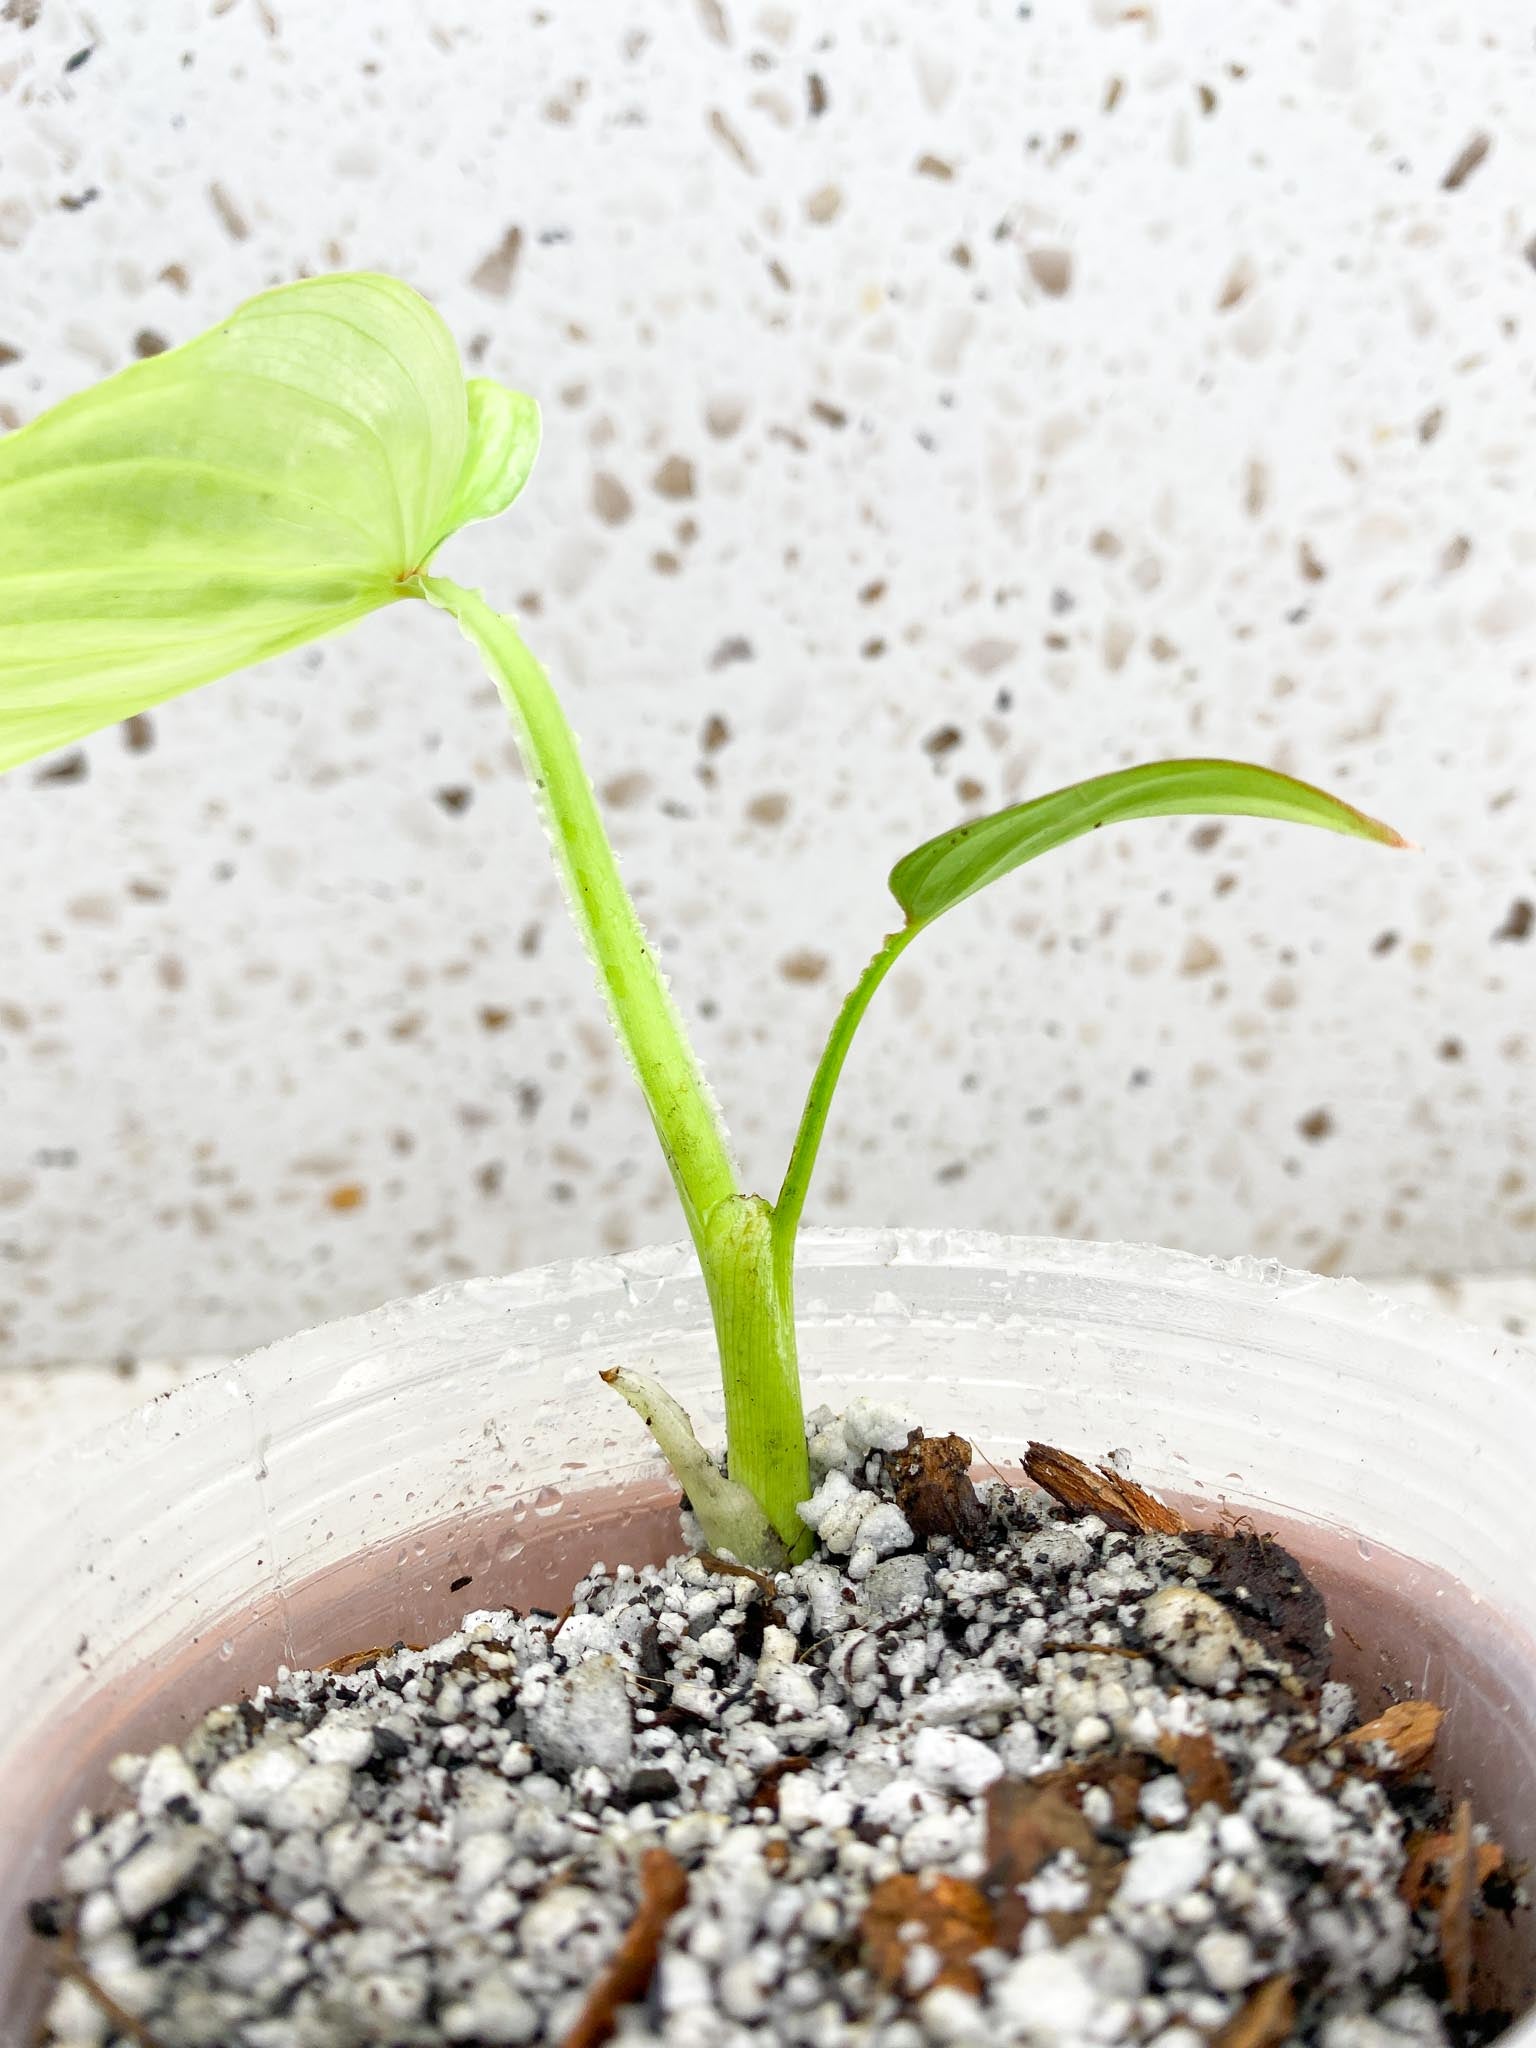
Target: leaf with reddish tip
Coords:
[[943, 871]]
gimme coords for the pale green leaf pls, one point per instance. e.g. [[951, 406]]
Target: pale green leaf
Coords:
[[944, 871], [273, 480], [503, 442]]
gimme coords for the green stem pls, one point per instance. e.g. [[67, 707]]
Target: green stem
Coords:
[[644, 1014], [752, 1295], [813, 1120]]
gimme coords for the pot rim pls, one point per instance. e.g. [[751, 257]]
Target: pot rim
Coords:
[[1245, 1279]]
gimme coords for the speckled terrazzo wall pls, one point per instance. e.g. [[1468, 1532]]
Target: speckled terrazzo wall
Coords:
[[943, 401]]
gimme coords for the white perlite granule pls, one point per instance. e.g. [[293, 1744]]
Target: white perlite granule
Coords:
[[446, 1846]]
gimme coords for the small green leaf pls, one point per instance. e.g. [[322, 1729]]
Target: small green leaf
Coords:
[[942, 872], [280, 476]]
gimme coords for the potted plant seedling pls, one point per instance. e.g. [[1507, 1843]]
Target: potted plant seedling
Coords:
[[993, 1756]]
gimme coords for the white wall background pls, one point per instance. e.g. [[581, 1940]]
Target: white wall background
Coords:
[[943, 401]]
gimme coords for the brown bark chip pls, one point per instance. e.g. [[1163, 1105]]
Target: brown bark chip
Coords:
[[1028, 1822], [932, 1484], [1407, 1731], [1201, 1767], [1423, 1880], [946, 1913], [361, 1660], [765, 1793], [1122, 1777], [1455, 1915], [1264, 2019], [627, 1975], [1119, 1503]]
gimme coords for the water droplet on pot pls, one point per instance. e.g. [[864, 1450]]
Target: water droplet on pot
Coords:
[[226, 1649]]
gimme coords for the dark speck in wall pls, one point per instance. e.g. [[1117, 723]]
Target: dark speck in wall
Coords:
[[1384, 942], [68, 768], [1051, 269], [455, 799], [674, 479], [147, 343], [941, 741], [80, 58], [803, 965], [610, 501], [231, 219], [815, 95], [1316, 1125], [736, 648], [1466, 163], [493, 275], [1518, 920], [76, 202], [622, 791], [138, 733], [1456, 553]]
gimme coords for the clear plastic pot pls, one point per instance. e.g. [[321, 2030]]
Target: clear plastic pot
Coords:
[[370, 1480]]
